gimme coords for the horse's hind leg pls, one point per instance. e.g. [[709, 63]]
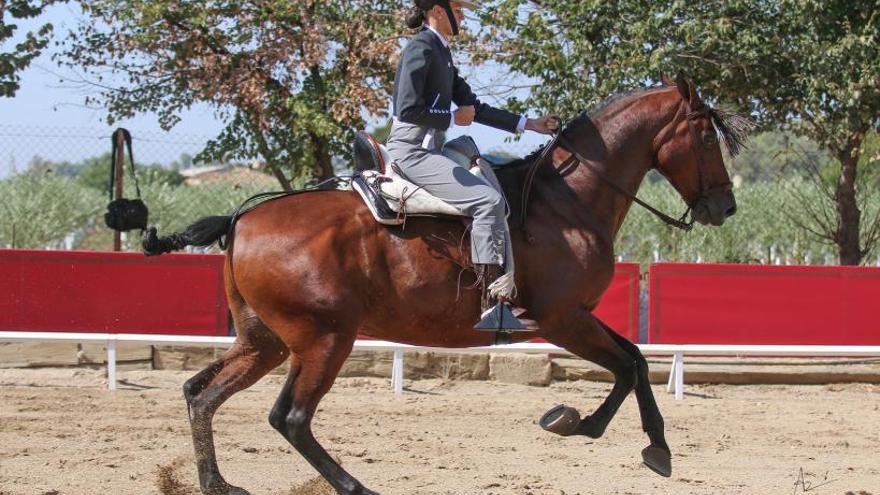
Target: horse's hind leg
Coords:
[[255, 352], [312, 373], [657, 455]]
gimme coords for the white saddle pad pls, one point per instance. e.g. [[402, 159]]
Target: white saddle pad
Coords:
[[406, 198]]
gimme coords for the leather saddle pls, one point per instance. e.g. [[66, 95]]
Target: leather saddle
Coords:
[[391, 197]]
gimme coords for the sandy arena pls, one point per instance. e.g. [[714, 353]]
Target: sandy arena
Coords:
[[62, 433]]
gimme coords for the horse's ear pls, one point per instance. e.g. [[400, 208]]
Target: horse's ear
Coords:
[[688, 89], [666, 80], [683, 87]]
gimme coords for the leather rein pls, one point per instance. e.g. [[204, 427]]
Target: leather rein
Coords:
[[559, 140]]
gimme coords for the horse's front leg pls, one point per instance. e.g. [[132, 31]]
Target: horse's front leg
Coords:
[[584, 335], [657, 455]]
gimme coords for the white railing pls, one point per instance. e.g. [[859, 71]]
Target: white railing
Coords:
[[674, 385]]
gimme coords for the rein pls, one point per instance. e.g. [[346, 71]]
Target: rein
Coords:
[[559, 140], [679, 223]]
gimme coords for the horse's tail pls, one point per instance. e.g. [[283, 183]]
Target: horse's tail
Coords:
[[202, 233]]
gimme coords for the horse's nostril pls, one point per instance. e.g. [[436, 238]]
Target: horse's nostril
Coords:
[[730, 211]]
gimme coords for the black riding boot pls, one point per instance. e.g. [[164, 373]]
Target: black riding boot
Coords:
[[497, 315]]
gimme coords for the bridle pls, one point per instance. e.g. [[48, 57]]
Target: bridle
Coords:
[[559, 140]]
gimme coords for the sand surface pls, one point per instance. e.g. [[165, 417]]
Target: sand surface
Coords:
[[62, 433]]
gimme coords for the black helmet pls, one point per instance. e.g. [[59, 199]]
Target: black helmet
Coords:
[[426, 5]]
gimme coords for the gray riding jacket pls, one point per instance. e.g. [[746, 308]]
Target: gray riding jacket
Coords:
[[427, 82]]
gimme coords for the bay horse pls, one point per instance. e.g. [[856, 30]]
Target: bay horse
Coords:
[[306, 274]]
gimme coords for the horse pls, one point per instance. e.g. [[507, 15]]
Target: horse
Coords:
[[305, 274]]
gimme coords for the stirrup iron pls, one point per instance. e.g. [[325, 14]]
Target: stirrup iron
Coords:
[[499, 318]]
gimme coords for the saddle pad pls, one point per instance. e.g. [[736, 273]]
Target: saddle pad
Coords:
[[405, 198]]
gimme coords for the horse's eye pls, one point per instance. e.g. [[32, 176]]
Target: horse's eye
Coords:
[[710, 139]]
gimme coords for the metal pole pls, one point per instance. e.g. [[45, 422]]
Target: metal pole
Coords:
[[397, 373], [111, 364], [119, 174]]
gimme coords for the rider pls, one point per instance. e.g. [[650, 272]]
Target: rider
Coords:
[[426, 84]]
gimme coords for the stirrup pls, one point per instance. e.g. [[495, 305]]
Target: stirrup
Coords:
[[499, 318]]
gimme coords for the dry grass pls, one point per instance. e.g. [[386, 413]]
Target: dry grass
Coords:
[[315, 486], [168, 480]]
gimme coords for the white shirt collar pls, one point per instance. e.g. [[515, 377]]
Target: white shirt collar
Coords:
[[442, 38]]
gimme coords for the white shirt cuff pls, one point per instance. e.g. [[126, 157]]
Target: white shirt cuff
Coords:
[[521, 126], [452, 119]]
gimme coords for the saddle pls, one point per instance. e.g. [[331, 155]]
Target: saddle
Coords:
[[391, 197]]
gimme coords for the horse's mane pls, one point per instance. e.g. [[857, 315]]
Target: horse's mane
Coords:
[[733, 128]]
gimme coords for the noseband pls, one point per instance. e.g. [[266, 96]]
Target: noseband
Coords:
[[559, 140]]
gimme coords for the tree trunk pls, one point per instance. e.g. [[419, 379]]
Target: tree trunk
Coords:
[[321, 154], [277, 171], [848, 237], [279, 174]]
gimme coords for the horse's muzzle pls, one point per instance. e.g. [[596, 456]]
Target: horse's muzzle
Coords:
[[715, 207]]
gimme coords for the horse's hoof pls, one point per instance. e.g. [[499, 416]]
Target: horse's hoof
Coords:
[[658, 460], [225, 489], [562, 420]]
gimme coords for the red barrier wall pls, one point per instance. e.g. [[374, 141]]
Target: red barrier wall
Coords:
[[69, 291], [619, 308], [757, 304]]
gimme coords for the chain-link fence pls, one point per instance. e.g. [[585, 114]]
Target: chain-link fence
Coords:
[[54, 184], [54, 190]]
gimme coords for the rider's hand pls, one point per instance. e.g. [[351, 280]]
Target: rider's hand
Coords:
[[464, 116], [544, 125]]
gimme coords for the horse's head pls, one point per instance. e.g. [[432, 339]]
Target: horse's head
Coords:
[[689, 155]]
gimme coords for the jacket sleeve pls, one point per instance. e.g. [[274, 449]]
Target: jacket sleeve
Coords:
[[412, 105], [485, 114]]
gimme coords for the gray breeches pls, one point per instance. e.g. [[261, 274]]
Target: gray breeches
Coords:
[[452, 183]]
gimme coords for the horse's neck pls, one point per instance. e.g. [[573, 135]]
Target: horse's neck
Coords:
[[621, 147]]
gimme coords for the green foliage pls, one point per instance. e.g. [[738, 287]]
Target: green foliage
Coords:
[[772, 155], [43, 209], [94, 172], [11, 63], [809, 65], [764, 230], [172, 209]]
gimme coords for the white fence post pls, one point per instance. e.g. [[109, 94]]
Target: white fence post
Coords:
[[679, 375], [397, 373], [111, 364]]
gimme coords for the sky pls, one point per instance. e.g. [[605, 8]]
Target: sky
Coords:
[[47, 117]]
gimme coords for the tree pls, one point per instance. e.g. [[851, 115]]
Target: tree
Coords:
[[291, 80], [94, 172], [808, 66], [25, 51], [39, 209], [772, 156]]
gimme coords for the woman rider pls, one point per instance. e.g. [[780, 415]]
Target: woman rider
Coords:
[[426, 85]]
